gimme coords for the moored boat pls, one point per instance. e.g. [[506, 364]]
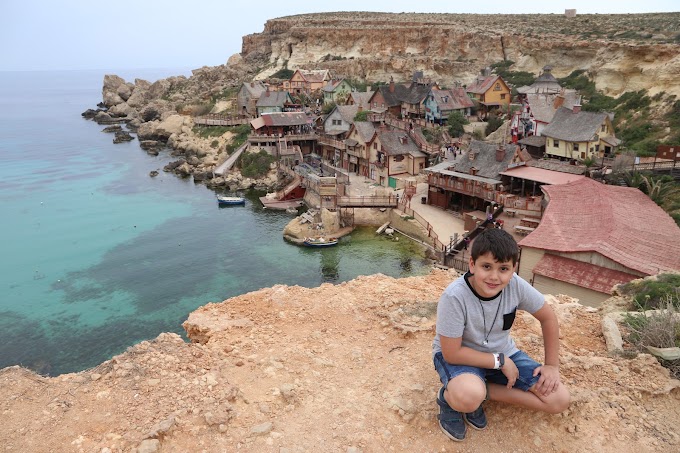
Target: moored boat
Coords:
[[229, 201], [320, 242]]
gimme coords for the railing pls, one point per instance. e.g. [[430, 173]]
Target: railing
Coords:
[[655, 166], [368, 202], [276, 137], [326, 140], [214, 119], [436, 243]]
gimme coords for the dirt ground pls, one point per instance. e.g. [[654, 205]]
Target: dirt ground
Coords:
[[338, 368]]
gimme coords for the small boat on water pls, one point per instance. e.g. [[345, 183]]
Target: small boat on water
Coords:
[[320, 242], [230, 201]]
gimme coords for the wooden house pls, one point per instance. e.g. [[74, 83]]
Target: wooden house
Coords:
[[307, 81], [273, 102], [336, 91], [439, 104], [401, 101], [248, 96], [490, 93], [361, 98], [594, 236], [576, 135], [280, 124], [394, 154], [360, 139], [471, 182]]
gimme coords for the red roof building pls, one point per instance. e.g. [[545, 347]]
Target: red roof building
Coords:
[[593, 236]]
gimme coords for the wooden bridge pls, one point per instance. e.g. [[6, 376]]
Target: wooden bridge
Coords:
[[214, 119]]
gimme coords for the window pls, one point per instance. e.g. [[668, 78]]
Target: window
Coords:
[[575, 146], [375, 145], [398, 158], [556, 143], [375, 104], [337, 122], [604, 128], [497, 87], [503, 96]]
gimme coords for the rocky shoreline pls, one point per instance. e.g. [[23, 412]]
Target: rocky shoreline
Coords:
[[145, 109]]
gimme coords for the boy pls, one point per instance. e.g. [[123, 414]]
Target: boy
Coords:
[[473, 352]]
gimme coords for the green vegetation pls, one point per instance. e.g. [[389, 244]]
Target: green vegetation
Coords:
[[361, 116], [659, 329], [455, 122], [328, 108], [284, 74], [513, 78], [493, 123], [239, 139], [211, 131], [650, 294], [214, 144], [256, 165]]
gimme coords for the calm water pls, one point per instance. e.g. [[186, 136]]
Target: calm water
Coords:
[[98, 256]]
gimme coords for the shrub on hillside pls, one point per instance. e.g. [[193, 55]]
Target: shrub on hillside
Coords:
[[649, 294], [256, 165]]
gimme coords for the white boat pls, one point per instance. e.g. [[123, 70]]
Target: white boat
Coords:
[[320, 242]]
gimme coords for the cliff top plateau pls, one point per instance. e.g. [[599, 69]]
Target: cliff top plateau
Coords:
[[338, 368]]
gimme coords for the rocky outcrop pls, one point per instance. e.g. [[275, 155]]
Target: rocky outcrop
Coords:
[[621, 53]]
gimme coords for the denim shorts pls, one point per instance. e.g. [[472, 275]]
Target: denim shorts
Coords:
[[525, 364]]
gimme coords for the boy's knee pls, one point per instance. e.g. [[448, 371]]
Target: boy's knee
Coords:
[[560, 400], [465, 394]]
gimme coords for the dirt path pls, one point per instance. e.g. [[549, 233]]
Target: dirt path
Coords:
[[339, 368]]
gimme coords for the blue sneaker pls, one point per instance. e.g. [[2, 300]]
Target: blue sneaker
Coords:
[[450, 421], [476, 419]]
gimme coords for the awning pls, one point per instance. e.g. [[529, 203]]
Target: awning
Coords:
[[578, 273], [257, 123], [351, 142], [613, 141], [541, 175], [460, 175]]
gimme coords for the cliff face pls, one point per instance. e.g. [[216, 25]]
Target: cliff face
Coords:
[[622, 53], [338, 368]]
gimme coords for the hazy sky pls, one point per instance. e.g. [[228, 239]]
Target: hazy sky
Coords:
[[128, 34]]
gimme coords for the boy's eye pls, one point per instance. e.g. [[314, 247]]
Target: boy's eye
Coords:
[[504, 269]]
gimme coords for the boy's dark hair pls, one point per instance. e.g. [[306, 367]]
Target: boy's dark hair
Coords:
[[499, 242]]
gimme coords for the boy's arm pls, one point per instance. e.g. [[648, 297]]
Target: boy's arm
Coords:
[[551, 334], [550, 372], [454, 352]]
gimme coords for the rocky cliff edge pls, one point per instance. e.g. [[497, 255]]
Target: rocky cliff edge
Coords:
[[341, 368]]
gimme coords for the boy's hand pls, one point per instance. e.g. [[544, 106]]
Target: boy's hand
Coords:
[[549, 380], [510, 371]]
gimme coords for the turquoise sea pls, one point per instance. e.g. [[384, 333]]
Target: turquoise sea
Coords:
[[98, 256]]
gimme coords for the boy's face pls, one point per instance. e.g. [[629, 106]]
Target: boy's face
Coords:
[[490, 276]]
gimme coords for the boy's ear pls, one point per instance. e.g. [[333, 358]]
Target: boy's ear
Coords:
[[471, 264]]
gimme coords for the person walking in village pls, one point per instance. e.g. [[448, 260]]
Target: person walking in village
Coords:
[[475, 356]]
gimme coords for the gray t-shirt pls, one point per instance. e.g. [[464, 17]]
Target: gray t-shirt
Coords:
[[461, 312]]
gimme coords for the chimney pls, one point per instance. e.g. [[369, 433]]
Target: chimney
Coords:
[[252, 84], [361, 107], [391, 84], [576, 108], [266, 93], [559, 100], [368, 89], [500, 154]]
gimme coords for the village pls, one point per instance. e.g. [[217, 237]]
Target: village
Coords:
[[540, 176]]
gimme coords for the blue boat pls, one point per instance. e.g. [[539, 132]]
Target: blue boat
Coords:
[[320, 242], [230, 201]]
